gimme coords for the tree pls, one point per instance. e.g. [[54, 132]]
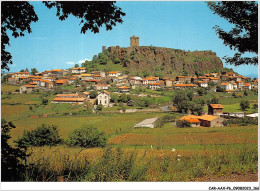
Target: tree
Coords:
[[93, 94], [244, 104], [117, 60], [244, 36], [87, 137], [11, 167], [255, 106], [180, 99], [45, 101], [214, 100], [103, 58], [43, 135], [123, 98], [34, 71], [22, 70], [17, 16], [76, 66], [99, 107]]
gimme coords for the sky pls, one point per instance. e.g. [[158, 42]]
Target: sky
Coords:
[[55, 44]]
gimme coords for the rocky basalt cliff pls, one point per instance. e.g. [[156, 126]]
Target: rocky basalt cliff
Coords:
[[165, 61]]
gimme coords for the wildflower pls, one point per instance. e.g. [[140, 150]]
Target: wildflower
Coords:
[[179, 155], [178, 159], [173, 149]]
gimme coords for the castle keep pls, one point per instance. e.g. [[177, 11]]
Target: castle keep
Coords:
[[134, 41]]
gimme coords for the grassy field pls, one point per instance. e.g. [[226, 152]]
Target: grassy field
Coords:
[[141, 154], [9, 88]]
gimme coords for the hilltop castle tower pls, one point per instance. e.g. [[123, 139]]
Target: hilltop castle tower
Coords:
[[134, 41]]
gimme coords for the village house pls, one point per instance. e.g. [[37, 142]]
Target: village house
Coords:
[[234, 85], [97, 77], [18, 75], [136, 80], [154, 86], [61, 82], [33, 83], [183, 79], [213, 79], [183, 86], [203, 84], [215, 109], [78, 70], [86, 77], [103, 98], [247, 86], [101, 87], [86, 94], [71, 80], [49, 78], [227, 86], [27, 88], [203, 78], [49, 84], [113, 74], [23, 79], [101, 73], [123, 89], [240, 85], [150, 79]]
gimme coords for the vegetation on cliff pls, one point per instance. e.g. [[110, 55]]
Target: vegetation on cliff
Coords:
[[150, 60]]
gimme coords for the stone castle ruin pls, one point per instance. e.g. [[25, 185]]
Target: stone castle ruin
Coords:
[[134, 42]]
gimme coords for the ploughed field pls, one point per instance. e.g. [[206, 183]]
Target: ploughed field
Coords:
[[164, 154]]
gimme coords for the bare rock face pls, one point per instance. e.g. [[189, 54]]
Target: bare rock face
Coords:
[[165, 61]]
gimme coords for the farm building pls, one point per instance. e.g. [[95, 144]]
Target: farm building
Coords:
[[215, 109], [147, 123], [191, 119], [204, 120], [68, 100], [67, 95], [27, 88], [211, 121]]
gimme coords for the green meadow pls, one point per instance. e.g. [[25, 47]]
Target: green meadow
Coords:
[[145, 154]]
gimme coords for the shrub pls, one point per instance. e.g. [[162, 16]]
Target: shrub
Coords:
[[43, 135], [164, 119], [12, 168], [87, 137], [99, 107], [244, 104], [93, 94], [45, 101], [242, 121]]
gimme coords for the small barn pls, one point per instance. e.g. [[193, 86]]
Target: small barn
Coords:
[[211, 121], [147, 123], [215, 109]]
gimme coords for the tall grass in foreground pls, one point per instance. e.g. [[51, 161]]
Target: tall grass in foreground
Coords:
[[117, 164]]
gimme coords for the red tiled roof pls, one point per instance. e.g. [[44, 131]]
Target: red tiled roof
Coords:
[[123, 87], [29, 86], [106, 92], [217, 106], [185, 85], [69, 99]]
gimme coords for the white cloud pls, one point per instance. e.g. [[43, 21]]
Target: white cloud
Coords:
[[82, 61], [70, 63]]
